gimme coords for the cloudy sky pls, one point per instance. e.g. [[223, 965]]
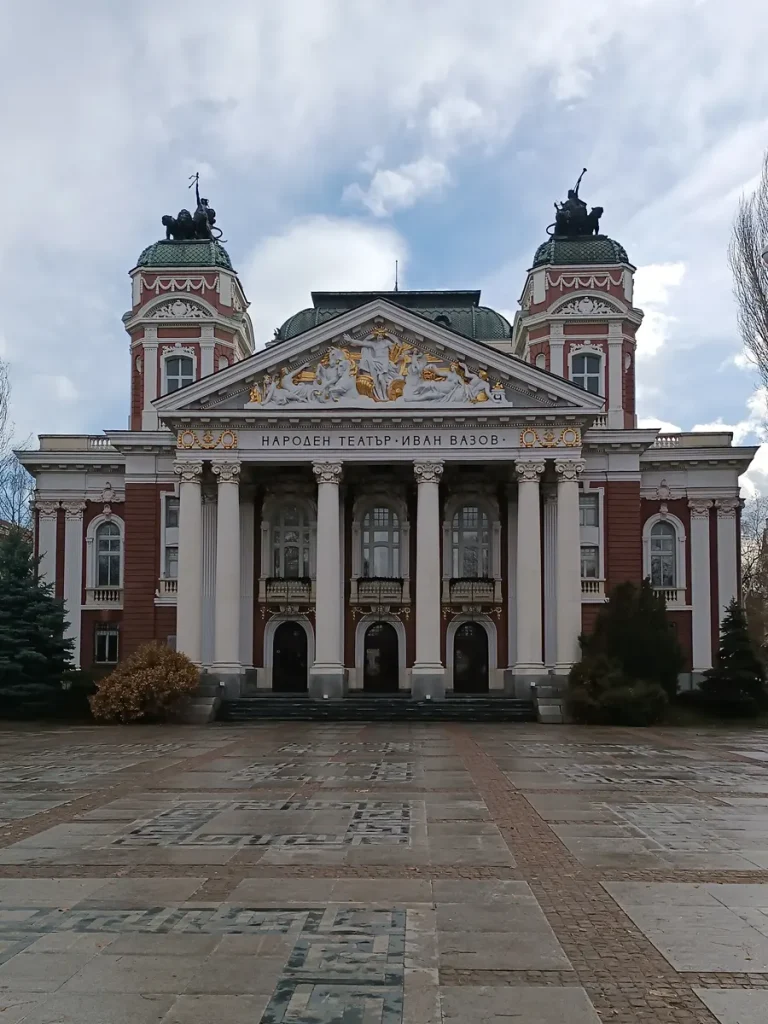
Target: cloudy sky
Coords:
[[335, 136]]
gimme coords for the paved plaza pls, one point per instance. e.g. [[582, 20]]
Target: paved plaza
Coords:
[[290, 873]]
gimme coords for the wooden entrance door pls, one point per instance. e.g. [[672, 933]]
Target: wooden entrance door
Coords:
[[470, 659], [289, 658], [381, 663]]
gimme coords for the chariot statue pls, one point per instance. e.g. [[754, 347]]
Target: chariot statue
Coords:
[[187, 227], [572, 219]]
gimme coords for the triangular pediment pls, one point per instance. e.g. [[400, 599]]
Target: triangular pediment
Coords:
[[378, 358]]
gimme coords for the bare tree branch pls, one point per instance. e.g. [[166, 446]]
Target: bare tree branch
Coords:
[[754, 566], [15, 482], [749, 240]]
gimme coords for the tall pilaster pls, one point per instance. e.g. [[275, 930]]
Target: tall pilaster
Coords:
[[47, 519], [189, 602], [529, 625], [73, 572], [727, 553], [428, 673], [327, 677], [701, 596], [615, 377], [568, 567], [226, 657]]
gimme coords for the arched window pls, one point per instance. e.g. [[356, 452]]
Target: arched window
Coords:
[[663, 555], [291, 543], [585, 371], [179, 371], [470, 543], [108, 552], [381, 543]]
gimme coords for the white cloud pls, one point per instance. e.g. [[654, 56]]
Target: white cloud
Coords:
[[654, 285], [649, 422], [395, 190], [320, 254]]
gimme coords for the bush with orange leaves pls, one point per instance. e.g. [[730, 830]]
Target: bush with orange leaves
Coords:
[[150, 685]]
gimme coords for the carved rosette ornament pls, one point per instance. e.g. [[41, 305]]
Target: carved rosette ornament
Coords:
[[700, 508], [47, 509], [726, 507], [428, 472], [327, 472], [570, 470], [188, 472], [529, 472], [226, 472], [73, 510]]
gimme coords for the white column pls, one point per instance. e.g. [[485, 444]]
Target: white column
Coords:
[[226, 645], [568, 567], [247, 528], [47, 518], [428, 673], [556, 350], [207, 350], [327, 675], [189, 602], [73, 571], [208, 570], [549, 559], [511, 576], [727, 553], [701, 597], [528, 568], [615, 377]]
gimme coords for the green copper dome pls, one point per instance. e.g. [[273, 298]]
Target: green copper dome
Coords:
[[456, 311], [195, 253], [587, 249]]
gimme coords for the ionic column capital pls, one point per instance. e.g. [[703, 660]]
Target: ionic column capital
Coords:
[[726, 507], [327, 472], [529, 470], [700, 508], [188, 472], [73, 510], [226, 472], [570, 469], [428, 472]]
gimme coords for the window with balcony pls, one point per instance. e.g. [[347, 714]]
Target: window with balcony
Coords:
[[108, 555], [470, 543], [663, 555], [586, 372], [107, 645], [291, 543], [179, 371], [381, 543]]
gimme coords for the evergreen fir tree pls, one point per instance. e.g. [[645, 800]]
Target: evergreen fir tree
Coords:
[[739, 676], [34, 655], [632, 630]]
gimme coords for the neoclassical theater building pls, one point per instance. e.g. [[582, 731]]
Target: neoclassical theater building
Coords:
[[399, 491]]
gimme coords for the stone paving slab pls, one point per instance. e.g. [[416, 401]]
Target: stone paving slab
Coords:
[[298, 873]]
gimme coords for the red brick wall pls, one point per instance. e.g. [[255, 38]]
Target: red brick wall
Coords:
[[628, 385], [681, 622], [137, 389], [623, 542], [142, 564]]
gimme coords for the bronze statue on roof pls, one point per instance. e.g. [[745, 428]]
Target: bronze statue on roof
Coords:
[[188, 227], [572, 220]]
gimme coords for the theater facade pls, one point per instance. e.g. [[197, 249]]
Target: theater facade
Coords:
[[399, 491]]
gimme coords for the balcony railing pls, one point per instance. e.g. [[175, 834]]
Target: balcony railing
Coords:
[[104, 597], [167, 588], [280, 591], [672, 595], [379, 590], [471, 591], [593, 589]]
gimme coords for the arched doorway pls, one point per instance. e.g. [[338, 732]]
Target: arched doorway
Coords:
[[381, 664], [470, 659], [289, 658]]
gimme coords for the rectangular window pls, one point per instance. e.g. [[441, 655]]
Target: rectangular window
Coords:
[[171, 513], [590, 562], [171, 563], [107, 645], [589, 510]]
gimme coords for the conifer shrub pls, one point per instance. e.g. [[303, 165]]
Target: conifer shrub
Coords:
[[151, 685], [736, 685], [599, 693]]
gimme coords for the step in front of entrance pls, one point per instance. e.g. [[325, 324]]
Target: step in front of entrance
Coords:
[[299, 707]]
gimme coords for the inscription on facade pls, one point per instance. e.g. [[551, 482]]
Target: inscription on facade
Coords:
[[408, 440]]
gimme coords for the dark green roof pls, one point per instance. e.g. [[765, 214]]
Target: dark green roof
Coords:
[[197, 253], [589, 249], [457, 311]]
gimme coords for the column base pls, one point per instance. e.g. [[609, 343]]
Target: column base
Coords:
[[327, 681], [228, 679], [428, 682], [518, 680]]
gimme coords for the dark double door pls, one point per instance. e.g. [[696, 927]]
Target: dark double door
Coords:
[[470, 659], [289, 658]]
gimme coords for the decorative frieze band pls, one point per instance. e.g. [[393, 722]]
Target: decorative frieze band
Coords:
[[568, 437], [428, 472], [206, 440]]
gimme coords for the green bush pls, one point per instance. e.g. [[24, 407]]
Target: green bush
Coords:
[[735, 687], [600, 694], [151, 685]]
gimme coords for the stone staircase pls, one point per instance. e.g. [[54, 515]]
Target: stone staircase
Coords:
[[377, 708]]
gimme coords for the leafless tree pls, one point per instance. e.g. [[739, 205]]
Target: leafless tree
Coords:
[[754, 565], [749, 242], [15, 482]]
